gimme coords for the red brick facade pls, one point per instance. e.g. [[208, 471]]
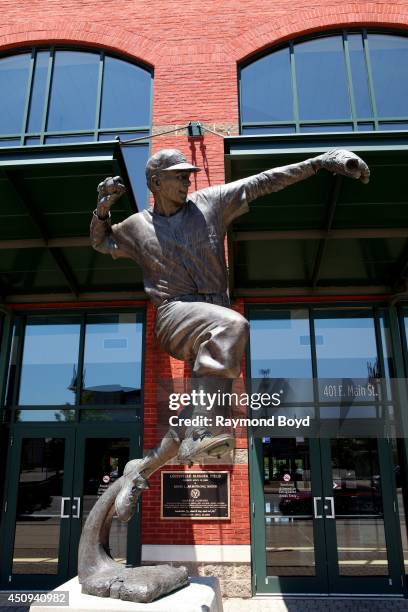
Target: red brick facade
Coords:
[[194, 49]]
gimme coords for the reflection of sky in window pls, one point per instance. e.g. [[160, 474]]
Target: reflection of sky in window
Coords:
[[38, 92], [125, 95], [50, 355], [389, 65], [113, 350], [321, 79], [359, 75], [73, 92], [281, 344], [13, 88], [266, 89], [348, 345]]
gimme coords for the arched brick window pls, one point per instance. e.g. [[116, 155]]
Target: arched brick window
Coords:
[[354, 80], [66, 95]]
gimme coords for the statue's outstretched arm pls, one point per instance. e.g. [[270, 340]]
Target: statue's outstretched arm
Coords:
[[102, 237], [338, 161]]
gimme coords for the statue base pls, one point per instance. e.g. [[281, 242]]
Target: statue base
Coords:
[[203, 593]]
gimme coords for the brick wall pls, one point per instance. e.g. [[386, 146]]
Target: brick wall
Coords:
[[194, 48]]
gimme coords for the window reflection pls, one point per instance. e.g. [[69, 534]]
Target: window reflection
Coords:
[[40, 487], [347, 346], [73, 92], [389, 64], [280, 350], [124, 96], [38, 91], [317, 77], [359, 75], [50, 357], [13, 86], [321, 79], [112, 362], [280, 345], [267, 89]]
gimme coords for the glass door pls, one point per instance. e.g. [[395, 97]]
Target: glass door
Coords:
[[360, 514], [288, 540], [38, 508], [325, 512], [325, 517], [100, 460]]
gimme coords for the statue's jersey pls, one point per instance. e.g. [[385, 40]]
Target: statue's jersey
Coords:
[[184, 253]]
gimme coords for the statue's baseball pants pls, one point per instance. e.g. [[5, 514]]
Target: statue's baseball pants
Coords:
[[210, 337]]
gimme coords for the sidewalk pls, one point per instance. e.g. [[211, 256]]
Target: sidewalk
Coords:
[[322, 604], [272, 604]]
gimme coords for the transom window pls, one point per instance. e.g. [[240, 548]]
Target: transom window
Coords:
[[62, 364], [349, 81]]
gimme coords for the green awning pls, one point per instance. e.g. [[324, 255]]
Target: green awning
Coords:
[[47, 196], [327, 232]]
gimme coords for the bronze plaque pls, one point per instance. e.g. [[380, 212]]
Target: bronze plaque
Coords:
[[195, 495]]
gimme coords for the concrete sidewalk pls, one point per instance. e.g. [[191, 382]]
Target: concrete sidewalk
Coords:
[[321, 604]]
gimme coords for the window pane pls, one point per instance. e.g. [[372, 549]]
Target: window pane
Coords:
[[393, 125], [359, 76], [389, 65], [50, 357], [38, 92], [38, 521], [112, 363], [345, 346], [280, 349], [321, 79], [125, 95], [13, 87], [77, 138], [266, 89], [281, 345], [73, 92], [136, 159], [277, 129], [14, 142], [327, 127]]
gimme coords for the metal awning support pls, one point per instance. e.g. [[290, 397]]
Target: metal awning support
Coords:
[[40, 243], [401, 271], [24, 197], [331, 209]]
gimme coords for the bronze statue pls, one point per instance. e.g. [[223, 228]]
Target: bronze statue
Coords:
[[179, 245]]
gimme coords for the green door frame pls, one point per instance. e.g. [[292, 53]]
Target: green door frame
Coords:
[[36, 581], [283, 584], [113, 430], [326, 544], [327, 578], [75, 436]]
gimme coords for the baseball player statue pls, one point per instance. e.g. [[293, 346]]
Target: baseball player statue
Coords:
[[179, 244]]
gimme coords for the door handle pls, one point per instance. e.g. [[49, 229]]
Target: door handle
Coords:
[[332, 514], [76, 507], [62, 513], [316, 515]]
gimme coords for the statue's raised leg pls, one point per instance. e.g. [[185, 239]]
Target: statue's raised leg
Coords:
[[198, 442]]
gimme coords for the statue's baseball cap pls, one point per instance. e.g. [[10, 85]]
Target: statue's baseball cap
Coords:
[[168, 159]]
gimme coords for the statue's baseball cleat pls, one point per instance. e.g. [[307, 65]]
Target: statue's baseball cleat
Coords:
[[201, 443]]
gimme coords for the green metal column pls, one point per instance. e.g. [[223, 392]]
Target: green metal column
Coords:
[[398, 355], [4, 356]]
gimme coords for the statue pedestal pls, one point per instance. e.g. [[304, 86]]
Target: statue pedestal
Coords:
[[203, 594]]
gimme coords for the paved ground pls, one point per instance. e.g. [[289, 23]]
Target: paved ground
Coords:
[[325, 604]]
